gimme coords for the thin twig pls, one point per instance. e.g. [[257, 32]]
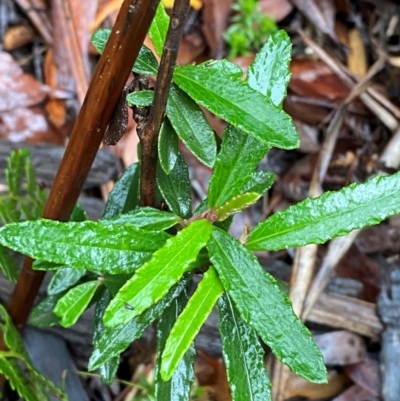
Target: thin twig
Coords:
[[149, 135]]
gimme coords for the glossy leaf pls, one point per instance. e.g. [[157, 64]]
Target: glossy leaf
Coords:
[[167, 147], [191, 125], [190, 321], [64, 278], [175, 187], [74, 302], [153, 280], [43, 315], [235, 165], [236, 204], [124, 197], [108, 370], [225, 66], [111, 341], [158, 29], [236, 102], [8, 265], [269, 73], [98, 246], [264, 307], [260, 182], [178, 387], [315, 221], [243, 355], [146, 63], [143, 98], [147, 218]]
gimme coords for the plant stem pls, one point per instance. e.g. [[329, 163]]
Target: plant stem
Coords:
[[149, 136]]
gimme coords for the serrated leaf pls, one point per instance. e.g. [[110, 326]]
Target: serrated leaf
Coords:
[[12, 338], [235, 165], [143, 98], [167, 147], [237, 103], [158, 29], [147, 218], [15, 170], [191, 125], [74, 302], [124, 197], [8, 265], [236, 204], [190, 321], [43, 315], [175, 187], [315, 221], [146, 63], [270, 73], [113, 340], [64, 278], [98, 246], [178, 387], [264, 307], [243, 355], [260, 182], [153, 280]]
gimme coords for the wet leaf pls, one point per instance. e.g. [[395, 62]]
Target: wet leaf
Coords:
[[315, 221], [74, 302], [235, 165], [260, 182], [167, 147], [158, 29], [191, 125], [264, 307], [8, 265], [190, 321], [64, 278], [97, 246], [236, 102], [143, 98], [153, 280], [175, 187], [236, 204], [243, 355], [269, 74]]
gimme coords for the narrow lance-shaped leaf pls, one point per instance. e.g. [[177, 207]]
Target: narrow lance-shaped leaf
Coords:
[[178, 387], [113, 340], [175, 187], [270, 73], [43, 315], [168, 151], [317, 220], [64, 278], [236, 102], [264, 307], [74, 302], [190, 321], [98, 246], [260, 182], [243, 355], [8, 265], [191, 126], [143, 98], [153, 280], [158, 28], [236, 204]]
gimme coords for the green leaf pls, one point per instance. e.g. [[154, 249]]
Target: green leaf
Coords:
[[225, 66], [147, 218], [124, 197], [158, 29], [153, 280], [190, 321], [143, 98], [235, 165], [12, 338], [15, 170], [315, 221], [176, 188], [191, 125], [98, 246], [8, 265], [64, 278], [74, 302], [236, 204], [243, 355], [108, 370], [264, 307], [236, 102], [43, 315], [146, 63], [269, 73], [168, 151], [111, 341], [260, 182], [178, 387]]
